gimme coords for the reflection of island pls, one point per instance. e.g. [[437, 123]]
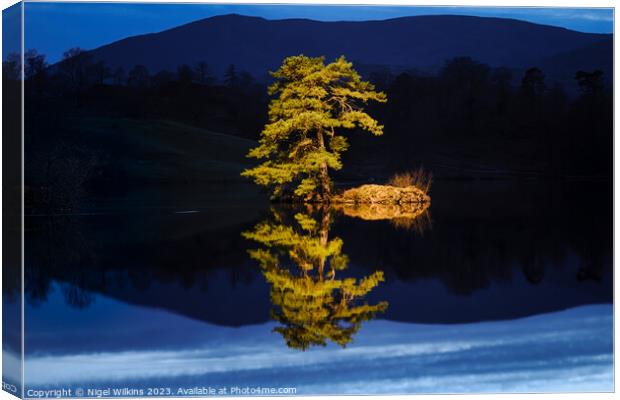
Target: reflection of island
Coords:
[[300, 262], [410, 216]]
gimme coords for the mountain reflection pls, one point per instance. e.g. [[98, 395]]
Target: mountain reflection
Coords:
[[300, 262]]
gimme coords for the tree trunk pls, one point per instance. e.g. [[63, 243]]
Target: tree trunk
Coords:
[[324, 237], [323, 173]]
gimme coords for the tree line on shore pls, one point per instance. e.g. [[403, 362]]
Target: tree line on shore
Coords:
[[78, 70], [467, 111]]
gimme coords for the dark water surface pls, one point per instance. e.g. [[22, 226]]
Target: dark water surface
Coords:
[[498, 286]]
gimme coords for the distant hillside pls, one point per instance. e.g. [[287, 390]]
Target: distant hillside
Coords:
[[258, 45], [598, 55]]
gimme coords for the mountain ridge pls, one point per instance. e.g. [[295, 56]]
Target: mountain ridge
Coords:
[[258, 45]]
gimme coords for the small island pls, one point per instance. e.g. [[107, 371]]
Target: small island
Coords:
[[314, 104]]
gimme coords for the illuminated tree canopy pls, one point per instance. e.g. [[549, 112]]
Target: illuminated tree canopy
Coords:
[[314, 103]]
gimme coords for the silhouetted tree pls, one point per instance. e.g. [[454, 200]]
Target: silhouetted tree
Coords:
[[230, 76], [465, 73], [203, 73], [11, 66], [100, 72], [501, 79], [467, 100], [533, 83], [381, 78], [74, 66], [35, 63], [35, 70], [591, 116], [138, 76], [163, 78], [590, 83], [555, 141], [118, 77], [245, 79], [185, 74]]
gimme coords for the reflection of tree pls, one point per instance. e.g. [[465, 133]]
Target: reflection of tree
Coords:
[[310, 303], [76, 296]]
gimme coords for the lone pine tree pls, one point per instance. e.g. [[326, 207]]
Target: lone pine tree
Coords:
[[313, 104]]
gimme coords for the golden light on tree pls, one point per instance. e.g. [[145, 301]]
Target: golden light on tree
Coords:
[[313, 104]]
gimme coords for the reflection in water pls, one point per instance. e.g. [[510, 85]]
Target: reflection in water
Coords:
[[174, 299], [512, 253], [299, 261], [410, 216]]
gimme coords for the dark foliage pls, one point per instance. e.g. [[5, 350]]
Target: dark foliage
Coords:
[[467, 121], [470, 121]]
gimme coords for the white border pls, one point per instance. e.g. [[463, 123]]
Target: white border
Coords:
[[473, 3]]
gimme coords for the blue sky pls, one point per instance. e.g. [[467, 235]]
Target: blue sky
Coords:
[[52, 28]]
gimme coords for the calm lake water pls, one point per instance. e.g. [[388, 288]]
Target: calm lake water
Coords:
[[496, 287]]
